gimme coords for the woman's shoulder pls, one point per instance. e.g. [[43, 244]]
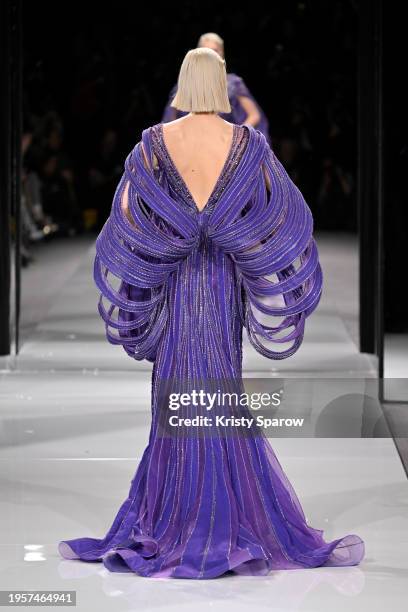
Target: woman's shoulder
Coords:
[[152, 140], [147, 144], [154, 128]]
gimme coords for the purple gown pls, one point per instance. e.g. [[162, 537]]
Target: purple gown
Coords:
[[205, 504], [236, 87]]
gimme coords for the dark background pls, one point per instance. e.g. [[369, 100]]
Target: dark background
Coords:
[[96, 75]]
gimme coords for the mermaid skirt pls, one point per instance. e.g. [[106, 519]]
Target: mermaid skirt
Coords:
[[202, 509]]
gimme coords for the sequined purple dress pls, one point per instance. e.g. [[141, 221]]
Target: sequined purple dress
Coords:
[[200, 506]]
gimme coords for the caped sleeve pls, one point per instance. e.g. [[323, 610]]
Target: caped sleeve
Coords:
[[135, 313], [140, 245], [131, 266], [277, 262]]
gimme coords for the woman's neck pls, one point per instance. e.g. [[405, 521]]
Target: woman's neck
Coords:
[[203, 117]]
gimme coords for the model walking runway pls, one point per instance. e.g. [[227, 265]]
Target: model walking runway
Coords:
[[191, 278]]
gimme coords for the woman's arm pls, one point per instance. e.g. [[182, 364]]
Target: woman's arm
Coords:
[[249, 106], [125, 198], [125, 203]]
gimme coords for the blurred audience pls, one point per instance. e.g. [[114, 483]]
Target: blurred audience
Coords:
[[75, 142], [104, 173]]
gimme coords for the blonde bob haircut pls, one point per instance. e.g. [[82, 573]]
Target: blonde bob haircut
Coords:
[[202, 83]]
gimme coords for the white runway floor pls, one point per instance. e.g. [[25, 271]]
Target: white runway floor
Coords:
[[75, 420]]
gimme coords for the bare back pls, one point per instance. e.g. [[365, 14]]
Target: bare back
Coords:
[[199, 146]]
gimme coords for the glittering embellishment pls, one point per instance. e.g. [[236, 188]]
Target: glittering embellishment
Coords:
[[181, 285]]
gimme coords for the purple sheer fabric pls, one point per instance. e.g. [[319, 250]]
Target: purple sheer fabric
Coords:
[[236, 88], [200, 506]]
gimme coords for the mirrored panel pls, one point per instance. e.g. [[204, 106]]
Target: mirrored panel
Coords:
[[395, 226]]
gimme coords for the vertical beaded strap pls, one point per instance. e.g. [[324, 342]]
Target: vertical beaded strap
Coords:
[[241, 139]]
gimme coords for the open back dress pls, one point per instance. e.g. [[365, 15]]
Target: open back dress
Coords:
[[177, 287]]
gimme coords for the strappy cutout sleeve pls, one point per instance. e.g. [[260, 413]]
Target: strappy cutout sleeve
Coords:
[[125, 203], [125, 192], [266, 177], [279, 269], [146, 160]]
